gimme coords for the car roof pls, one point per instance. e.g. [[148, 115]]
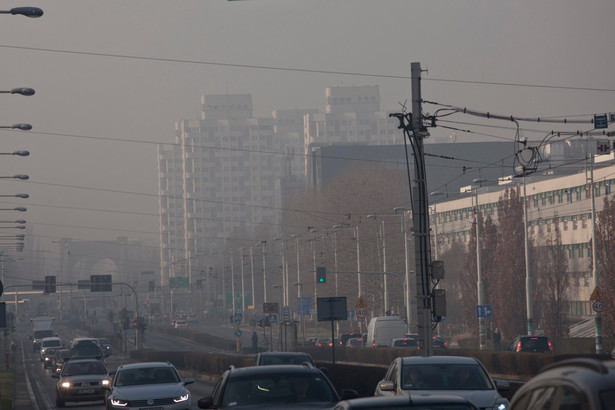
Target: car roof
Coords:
[[144, 365], [284, 354], [589, 374], [273, 369], [404, 401], [85, 360], [439, 360], [50, 338]]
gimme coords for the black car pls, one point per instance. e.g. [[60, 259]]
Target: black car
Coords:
[[534, 344], [419, 401], [273, 387], [271, 358]]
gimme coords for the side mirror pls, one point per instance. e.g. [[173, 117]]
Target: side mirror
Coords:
[[188, 380], [386, 385], [502, 385], [324, 370], [348, 394], [206, 402]]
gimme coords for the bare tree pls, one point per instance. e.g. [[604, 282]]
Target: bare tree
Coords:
[[605, 238]]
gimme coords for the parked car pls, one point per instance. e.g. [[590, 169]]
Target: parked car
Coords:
[[405, 342], [535, 344], [422, 402], [451, 375], [273, 387], [272, 358], [81, 380], [151, 385], [579, 383], [105, 346]]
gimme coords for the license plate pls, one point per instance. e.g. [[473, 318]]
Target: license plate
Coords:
[[86, 391]]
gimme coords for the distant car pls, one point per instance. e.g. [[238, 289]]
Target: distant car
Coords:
[[273, 387], [48, 357], [354, 342], [81, 380], [579, 383], [405, 342], [439, 342], [323, 342], [47, 342], [436, 401], [534, 344], [105, 346], [180, 323], [58, 359], [86, 348], [272, 358], [149, 385], [345, 336], [450, 375]]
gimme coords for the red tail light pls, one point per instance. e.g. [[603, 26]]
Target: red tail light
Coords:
[[518, 347], [550, 347]]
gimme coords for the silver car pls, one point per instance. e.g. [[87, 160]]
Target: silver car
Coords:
[[148, 385], [81, 380], [450, 375]]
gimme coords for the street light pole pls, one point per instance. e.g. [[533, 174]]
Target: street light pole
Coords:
[[32, 12]]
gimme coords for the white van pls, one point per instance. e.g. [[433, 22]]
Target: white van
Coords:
[[46, 342], [382, 329]]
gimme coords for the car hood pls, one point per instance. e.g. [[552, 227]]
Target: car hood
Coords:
[[293, 406], [480, 398], [150, 391]]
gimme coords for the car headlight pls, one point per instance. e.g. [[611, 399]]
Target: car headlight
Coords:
[[119, 403], [105, 382], [181, 398], [65, 385], [501, 405]]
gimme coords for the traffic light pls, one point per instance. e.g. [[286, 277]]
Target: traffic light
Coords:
[[50, 284], [321, 274], [199, 283]]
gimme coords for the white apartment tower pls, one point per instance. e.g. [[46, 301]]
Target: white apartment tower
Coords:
[[219, 177]]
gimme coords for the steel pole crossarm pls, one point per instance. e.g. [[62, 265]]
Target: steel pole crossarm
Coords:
[[21, 90], [24, 11]]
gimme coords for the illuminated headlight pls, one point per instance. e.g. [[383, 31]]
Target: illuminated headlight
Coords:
[[65, 385], [47, 359], [501, 406], [119, 403], [181, 398], [105, 382]]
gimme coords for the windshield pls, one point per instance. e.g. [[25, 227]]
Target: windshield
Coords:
[[80, 368], [149, 375], [277, 388], [445, 377]]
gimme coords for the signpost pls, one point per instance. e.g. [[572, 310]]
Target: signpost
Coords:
[[332, 309], [483, 311]]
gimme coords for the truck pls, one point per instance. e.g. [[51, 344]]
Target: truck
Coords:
[[383, 329], [42, 326]]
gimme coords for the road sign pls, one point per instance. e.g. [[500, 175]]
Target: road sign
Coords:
[[286, 314], [360, 303], [238, 332], [273, 318], [603, 147], [483, 311], [361, 313], [598, 306], [600, 121], [236, 317], [596, 295]]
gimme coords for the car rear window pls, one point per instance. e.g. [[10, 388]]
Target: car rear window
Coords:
[[535, 344]]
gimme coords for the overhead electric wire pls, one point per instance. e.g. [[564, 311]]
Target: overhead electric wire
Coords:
[[301, 70]]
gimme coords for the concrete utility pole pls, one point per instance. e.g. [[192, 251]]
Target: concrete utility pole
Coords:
[[528, 271], [598, 315]]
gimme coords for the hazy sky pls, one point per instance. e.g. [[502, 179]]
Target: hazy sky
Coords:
[[112, 77]]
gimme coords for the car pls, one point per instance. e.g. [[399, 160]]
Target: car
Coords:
[[323, 342], [58, 359], [354, 342], [345, 336], [105, 345], [86, 348], [405, 342], [81, 380], [180, 323], [47, 342], [48, 356], [151, 385], [534, 344], [417, 401], [273, 387], [271, 358], [439, 342], [453, 375], [579, 383]]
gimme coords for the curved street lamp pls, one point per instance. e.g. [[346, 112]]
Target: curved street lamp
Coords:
[[19, 221], [19, 90], [24, 196], [18, 176], [21, 126], [32, 12], [21, 153], [18, 208]]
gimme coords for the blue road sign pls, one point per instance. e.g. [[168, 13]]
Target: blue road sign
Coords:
[[238, 332], [600, 121], [483, 311], [273, 318]]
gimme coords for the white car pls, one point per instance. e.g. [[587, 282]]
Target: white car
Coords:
[[151, 385], [450, 375], [47, 342]]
